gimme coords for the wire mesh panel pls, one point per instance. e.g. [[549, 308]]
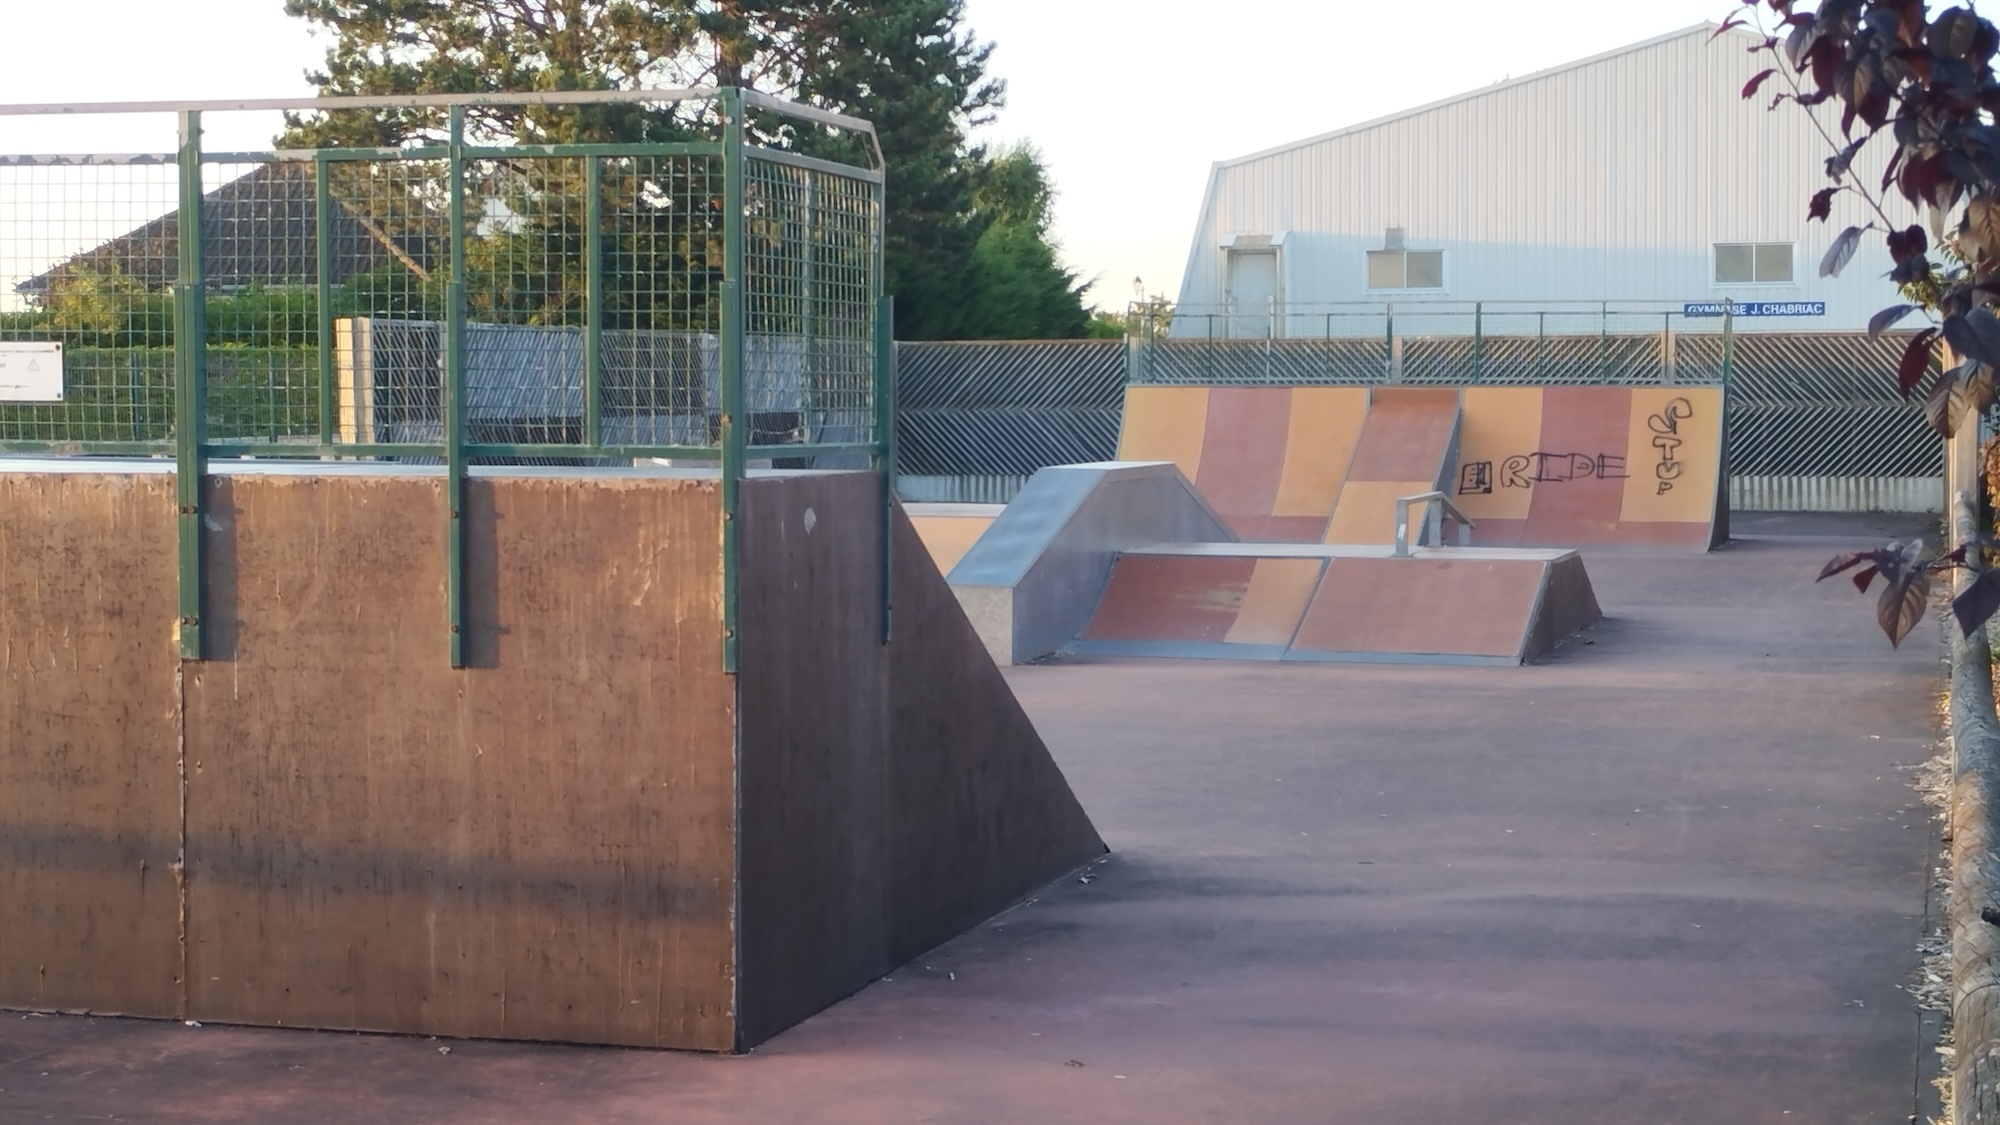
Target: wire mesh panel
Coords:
[[810, 274], [386, 239], [259, 248], [89, 252], [586, 317], [460, 293], [663, 263], [526, 298]]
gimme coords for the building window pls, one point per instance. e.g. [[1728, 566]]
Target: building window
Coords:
[[1406, 269], [1753, 263]]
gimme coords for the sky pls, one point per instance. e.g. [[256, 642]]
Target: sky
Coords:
[[1129, 101]]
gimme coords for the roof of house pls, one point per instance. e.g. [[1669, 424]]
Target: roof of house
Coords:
[[260, 227]]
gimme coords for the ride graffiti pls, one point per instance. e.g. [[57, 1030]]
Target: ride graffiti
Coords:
[[1526, 470]]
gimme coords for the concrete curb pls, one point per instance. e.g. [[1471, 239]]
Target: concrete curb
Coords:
[[1975, 873]]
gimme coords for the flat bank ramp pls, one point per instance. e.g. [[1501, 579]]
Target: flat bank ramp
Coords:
[[1340, 603]]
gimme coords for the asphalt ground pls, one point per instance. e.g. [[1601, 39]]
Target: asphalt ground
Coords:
[[1674, 873]]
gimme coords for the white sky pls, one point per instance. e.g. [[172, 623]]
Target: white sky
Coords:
[[1128, 100]]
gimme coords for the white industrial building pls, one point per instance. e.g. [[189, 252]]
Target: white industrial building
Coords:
[[1635, 182]]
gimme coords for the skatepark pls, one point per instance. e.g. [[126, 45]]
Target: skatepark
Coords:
[[400, 730], [1675, 874]]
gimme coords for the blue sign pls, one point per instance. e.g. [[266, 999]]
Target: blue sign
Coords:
[[1755, 308]]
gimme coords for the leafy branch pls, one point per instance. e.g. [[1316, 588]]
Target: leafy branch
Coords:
[[1926, 87], [1906, 573]]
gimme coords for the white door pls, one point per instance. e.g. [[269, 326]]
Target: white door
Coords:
[[1253, 294]]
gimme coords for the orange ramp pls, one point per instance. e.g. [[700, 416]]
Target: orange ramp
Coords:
[[1339, 602], [1407, 446], [1270, 460], [1591, 466], [948, 531], [1249, 606]]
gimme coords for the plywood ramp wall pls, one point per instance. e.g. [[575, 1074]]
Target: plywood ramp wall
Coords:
[[1585, 466], [591, 834], [89, 727], [1270, 460], [893, 795], [539, 848]]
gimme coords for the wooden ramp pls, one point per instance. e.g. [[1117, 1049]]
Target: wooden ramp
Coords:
[[1591, 466], [1559, 466], [593, 833], [948, 531], [1269, 460], [1407, 447], [1340, 603]]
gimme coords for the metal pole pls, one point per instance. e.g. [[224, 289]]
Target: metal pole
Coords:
[[1604, 342], [808, 400], [1389, 343], [1478, 341], [1541, 346], [1728, 341], [452, 421], [593, 302], [733, 421], [1270, 332], [1668, 359], [191, 387], [885, 443], [323, 295]]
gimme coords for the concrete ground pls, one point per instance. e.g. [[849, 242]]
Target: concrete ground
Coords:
[[1673, 874]]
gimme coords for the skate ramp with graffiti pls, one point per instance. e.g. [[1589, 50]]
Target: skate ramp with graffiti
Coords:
[[1559, 466]]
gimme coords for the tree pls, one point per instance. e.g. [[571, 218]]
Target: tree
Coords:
[[1018, 290], [1922, 88], [906, 65]]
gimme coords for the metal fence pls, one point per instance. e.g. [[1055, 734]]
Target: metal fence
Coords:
[[1814, 418], [713, 298], [1006, 409], [1440, 342]]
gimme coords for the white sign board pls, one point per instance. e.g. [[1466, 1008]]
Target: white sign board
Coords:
[[31, 371]]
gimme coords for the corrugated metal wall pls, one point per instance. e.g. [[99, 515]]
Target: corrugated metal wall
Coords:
[[1609, 179]]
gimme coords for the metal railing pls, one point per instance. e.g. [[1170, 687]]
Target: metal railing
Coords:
[[1431, 534], [712, 298], [1438, 342]]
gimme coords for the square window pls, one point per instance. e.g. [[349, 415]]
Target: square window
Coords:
[[1385, 269], [1735, 263], [1774, 262], [1425, 269]]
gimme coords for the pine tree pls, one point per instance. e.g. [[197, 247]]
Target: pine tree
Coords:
[[906, 65]]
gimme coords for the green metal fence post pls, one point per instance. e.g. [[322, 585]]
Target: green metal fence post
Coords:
[[452, 419], [885, 443], [734, 421], [1603, 342], [593, 301], [1389, 343], [323, 290], [190, 386], [1478, 341]]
